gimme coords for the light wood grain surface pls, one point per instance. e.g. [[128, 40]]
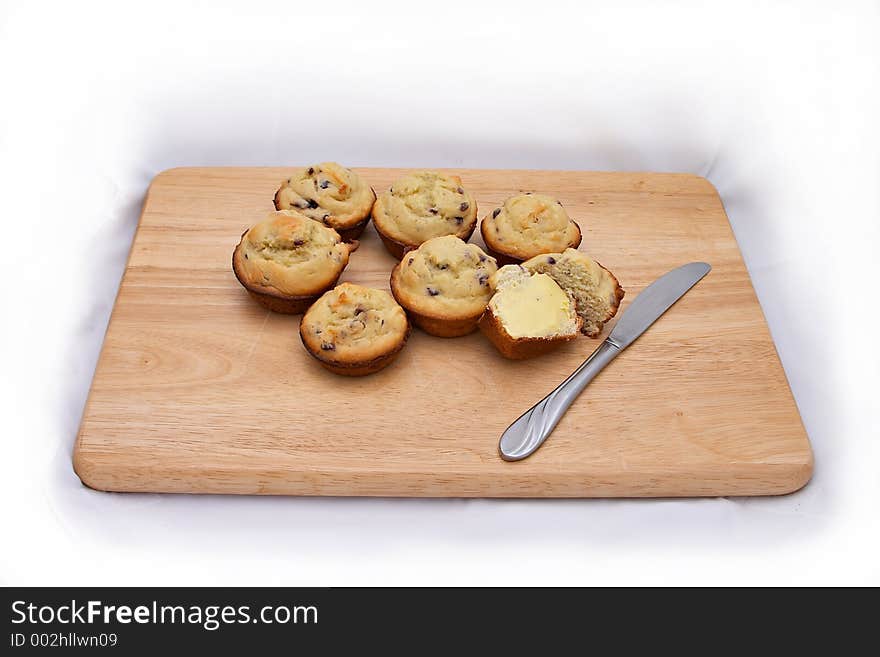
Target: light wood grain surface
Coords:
[[200, 390]]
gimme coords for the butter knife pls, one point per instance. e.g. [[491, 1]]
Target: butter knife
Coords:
[[529, 432]]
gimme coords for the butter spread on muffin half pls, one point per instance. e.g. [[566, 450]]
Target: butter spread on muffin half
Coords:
[[287, 260], [444, 285], [529, 314], [331, 194], [596, 291], [422, 205], [527, 225], [354, 330]]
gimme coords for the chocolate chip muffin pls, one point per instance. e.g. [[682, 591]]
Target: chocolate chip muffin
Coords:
[[420, 206], [596, 292], [354, 330], [287, 261], [528, 225], [529, 314], [331, 194], [444, 285]]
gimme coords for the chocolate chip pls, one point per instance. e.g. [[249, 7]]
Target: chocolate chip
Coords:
[[324, 184], [246, 257], [496, 212], [382, 323], [327, 346], [433, 210], [459, 220], [311, 170], [482, 258], [432, 291], [460, 190], [464, 206], [551, 260], [298, 242], [313, 203], [410, 261], [560, 202], [484, 279]]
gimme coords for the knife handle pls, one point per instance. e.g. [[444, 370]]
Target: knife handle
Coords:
[[527, 433]]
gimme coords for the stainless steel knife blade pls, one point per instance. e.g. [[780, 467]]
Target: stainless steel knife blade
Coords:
[[655, 300]]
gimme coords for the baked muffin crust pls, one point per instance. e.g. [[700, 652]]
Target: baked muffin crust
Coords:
[[445, 278], [331, 194], [289, 255], [353, 329], [422, 205], [527, 225]]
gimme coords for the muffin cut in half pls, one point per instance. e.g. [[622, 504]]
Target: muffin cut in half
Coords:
[[527, 225], [422, 205], [529, 314], [596, 291], [287, 261], [444, 285], [354, 330], [331, 194]]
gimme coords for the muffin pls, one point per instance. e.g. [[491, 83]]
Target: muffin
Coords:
[[422, 205], [529, 314], [287, 261], [353, 330], [331, 194], [444, 285], [596, 292], [528, 225]]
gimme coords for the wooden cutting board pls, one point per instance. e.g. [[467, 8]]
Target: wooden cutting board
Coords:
[[200, 390]]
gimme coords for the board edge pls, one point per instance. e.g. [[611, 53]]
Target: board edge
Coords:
[[78, 449]]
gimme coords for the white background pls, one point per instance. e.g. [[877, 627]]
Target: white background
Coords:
[[778, 104]]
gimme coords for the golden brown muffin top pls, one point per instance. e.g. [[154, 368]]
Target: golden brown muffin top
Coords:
[[425, 204], [290, 254], [444, 278], [352, 323], [529, 224], [327, 192]]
